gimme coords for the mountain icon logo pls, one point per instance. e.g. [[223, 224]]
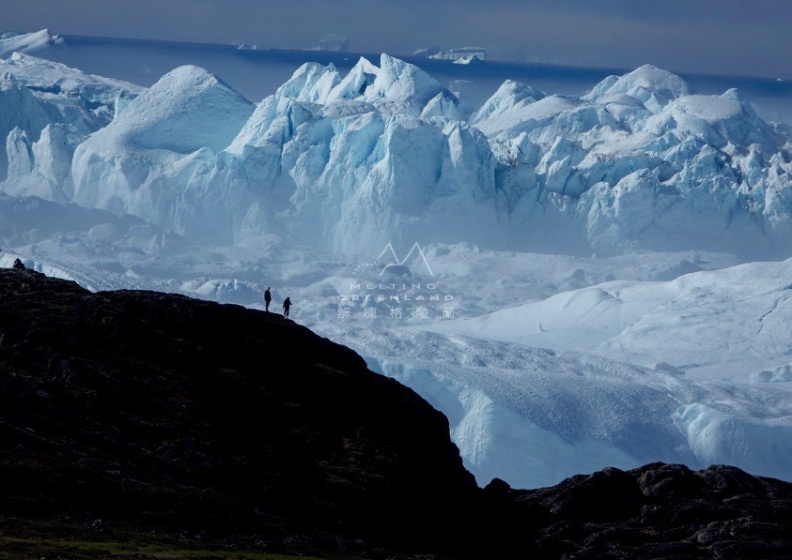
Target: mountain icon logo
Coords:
[[397, 266]]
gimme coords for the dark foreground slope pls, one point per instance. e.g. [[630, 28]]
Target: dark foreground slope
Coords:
[[142, 413], [162, 412]]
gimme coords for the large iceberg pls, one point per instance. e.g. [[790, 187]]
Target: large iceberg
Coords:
[[388, 154]]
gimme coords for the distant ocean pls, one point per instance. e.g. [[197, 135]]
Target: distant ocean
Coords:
[[257, 72]]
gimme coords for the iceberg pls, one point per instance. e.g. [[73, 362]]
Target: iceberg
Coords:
[[388, 154]]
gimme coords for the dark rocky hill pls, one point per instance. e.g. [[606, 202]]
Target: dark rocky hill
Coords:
[[148, 413], [662, 511]]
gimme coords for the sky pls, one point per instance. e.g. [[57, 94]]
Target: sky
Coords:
[[727, 37]]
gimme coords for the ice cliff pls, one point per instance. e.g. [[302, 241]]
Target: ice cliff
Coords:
[[388, 154]]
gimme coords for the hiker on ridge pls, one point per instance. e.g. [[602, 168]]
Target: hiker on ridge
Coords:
[[267, 299]]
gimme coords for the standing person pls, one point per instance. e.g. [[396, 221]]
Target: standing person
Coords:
[[267, 299], [286, 305]]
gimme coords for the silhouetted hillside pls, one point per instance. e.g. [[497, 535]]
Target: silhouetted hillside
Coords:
[[143, 413], [158, 411]]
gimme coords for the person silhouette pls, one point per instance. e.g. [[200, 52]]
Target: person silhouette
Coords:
[[267, 299], [286, 305]]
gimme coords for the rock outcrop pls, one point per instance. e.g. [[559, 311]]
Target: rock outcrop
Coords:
[[663, 511]]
